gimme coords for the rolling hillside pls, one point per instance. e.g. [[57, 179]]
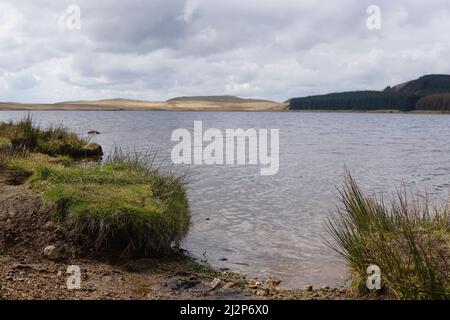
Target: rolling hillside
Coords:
[[218, 99], [223, 103]]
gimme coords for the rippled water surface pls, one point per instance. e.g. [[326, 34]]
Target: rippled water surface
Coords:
[[274, 225]]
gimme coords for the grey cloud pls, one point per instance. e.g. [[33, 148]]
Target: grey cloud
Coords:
[[274, 49]]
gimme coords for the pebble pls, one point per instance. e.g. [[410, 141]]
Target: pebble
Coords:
[[308, 287], [52, 253], [229, 285], [262, 292], [49, 225], [215, 283]]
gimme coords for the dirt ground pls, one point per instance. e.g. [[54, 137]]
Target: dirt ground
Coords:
[[26, 228]]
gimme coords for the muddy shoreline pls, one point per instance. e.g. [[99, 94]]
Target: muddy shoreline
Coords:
[[27, 228]]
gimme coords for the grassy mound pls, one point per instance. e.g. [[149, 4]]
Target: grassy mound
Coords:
[[25, 136], [408, 241], [122, 207]]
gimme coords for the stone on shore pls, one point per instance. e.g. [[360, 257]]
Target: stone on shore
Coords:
[[92, 150]]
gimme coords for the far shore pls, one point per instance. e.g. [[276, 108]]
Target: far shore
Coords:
[[130, 105], [125, 105]]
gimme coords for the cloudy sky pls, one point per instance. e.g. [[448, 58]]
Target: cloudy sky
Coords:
[[158, 49]]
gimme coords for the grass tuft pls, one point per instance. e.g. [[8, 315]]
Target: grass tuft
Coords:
[[407, 239]]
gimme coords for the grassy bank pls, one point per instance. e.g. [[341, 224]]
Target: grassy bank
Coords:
[[25, 136], [121, 206], [409, 240]]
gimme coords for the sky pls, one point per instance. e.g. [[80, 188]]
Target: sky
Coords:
[[53, 50]]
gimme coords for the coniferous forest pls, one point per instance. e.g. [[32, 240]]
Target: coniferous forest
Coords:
[[426, 93]]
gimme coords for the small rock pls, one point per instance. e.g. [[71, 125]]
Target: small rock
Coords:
[[254, 284], [229, 285], [184, 284], [49, 225], [92, 150], [343, 290], [215, 283], [49, 250], [262, 293], [52, 253], [325, 288], [308, 287]]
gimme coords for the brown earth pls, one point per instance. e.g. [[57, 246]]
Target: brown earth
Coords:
[[26, 228]]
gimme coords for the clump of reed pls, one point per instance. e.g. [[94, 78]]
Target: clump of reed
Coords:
[[408, 239]]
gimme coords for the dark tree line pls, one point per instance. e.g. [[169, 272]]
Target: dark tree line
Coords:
[[430, 92], [358, 100]]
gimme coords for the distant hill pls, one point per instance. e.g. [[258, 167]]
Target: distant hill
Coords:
[[424, 86], [426, 93], [219, 103], [218, 99], [117, 100]]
